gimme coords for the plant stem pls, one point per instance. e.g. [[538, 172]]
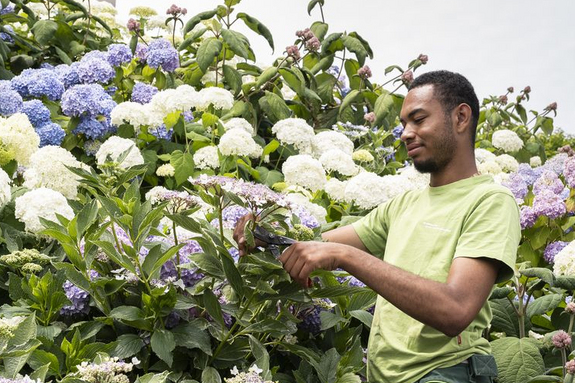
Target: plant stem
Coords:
[[571, 321], [178, 253], [321, 10]]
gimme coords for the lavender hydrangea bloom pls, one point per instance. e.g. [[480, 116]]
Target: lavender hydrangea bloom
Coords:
[[162, 53], [143, 93], [94, 70], [98, 55], [188, 116], [5, 85], [556, 163], [141, 52], [161, 132], [235, 253], [8, 9], [549, 204], [7, 36], [111, 90], [552, 249], [230, 216], [79, 300], [10, 102], [549, 180], [119, 54], [50, 134], [87, 100], [93, 128], [517, 185], [38, 83], [310, 318], [528, 174], [190, 277], [37, 112], [569, 171], [351, 281], [305, 217], [527, 217], [397, 131]]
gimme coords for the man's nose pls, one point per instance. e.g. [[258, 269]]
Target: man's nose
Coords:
[[407, 133]]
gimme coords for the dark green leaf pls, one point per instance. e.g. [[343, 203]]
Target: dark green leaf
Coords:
[[365, 317], [44, 30], [233, 275], [351, 97], [211, 375], [189, 335], [311, 5], [236, 42], [233, 79], [275, 107], [544, 304], [266, 76], [213, 307], [518, 360], [209, 49], [197, 19], [256, 26], [539, 272], [163, 344], [328, 366]]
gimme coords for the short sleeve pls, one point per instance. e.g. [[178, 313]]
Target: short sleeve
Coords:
[[372, 229], [492, 230]]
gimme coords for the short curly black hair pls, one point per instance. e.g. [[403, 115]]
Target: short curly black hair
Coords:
[[452, 89]]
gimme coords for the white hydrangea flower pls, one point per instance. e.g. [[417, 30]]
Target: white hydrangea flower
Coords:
[[335, 189], [114, 146], [317, 211], [367, 190], [210, 76], [417, 179], [535, 161], [18, 134], [129, 112], [336, 160], [165, 101], [48, 168], [296, 132], [303, 170], [489, 167], [362, 155], [239, 123], [507, 140], [507, 163], [564, 262], [165, 170], [288, 93], [502, 178], [5, 189], [41, 202], [218, 97], [483, 155], [324, 141], [238, 142], [207, 157], [187, 97]]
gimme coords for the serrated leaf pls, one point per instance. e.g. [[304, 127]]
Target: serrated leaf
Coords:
[[383, 107], [500, 292], [256, 26], [327, 369], [504, 317], [233, 78], [337, 291], [163, 344], [211, 375], [539, 272], [213, 307], [236, 42], [354, 45], [275, 107], [197, 19], [208, 50], [365, 317], [191, 336], [567, 283], [233, 275], [351, 97], [262, 357], [266, 76], [544, 304], [518, 360], [44, 30]]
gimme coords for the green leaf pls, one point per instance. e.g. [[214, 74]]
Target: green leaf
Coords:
[[351, 97], [233, 79], [547, 125], [365, 317], [522, 113], [211, 375], [336, 291], [233, 275], [518, 360], [383, 107], [331, 43], [183, 164], [189, 335], [354, 45], [504, 317], [539, 272], [40, 373], [256, 26], [319, 29], [128, 313], [86, 217], [40, 358], [236, 41], [349, 377], [266, 76], [262, 357], [44, 31], [213, 307], [567, 283], [209, 49], [63, 56], [274, 106], [501, 292], [329, 319], [311, 5], [328, 366], [544, 304], [197, 19], [163, 344]]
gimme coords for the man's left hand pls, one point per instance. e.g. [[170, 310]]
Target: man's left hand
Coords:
[[302, 258]]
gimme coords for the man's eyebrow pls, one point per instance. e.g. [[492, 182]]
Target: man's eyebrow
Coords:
[[411, 114]]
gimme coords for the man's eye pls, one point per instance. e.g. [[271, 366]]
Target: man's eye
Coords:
[[419, 120]]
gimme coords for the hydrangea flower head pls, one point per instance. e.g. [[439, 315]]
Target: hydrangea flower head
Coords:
[[552, 250], [218, 97], [305, 171], [549, 204], [38, 83], [162, 53], [87, 100], [41, 202], [119, 54], [5, 188], [37, 112], [142, 93], [548, 181], [67, 74], [296, 132], [19, 137], [93, 128], [10, 102], [50, 133], [327, 140], [207, 157], [564, 262], [94, 69], [507, 140], [238, 142], [337, 160], [113, 148]]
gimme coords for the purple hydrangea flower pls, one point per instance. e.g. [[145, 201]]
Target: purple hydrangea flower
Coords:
[[351, 281], [555, 164], [143, 93], [230, 216], [10, 102], [119, 54], [111, 90], [517, 185], [161, 132], [141, 52], [188, 116], [79, 300], [8, 9], [87, 100], [162, 53], [305, 217], [528, 174], [549, 180], [549, 204], [37, 112], [98, 55], [94, 70], [67, 74], [50, 134], [397, 132], [93, 128], [235, 253], [310, 318], [7, 36], [552, 249], [527, 217], [569, 171], [5, 85], [38, 83]]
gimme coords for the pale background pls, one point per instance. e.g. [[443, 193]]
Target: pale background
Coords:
[[494, 43]]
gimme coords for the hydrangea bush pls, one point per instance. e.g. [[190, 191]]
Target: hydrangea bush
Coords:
[[125, 168]]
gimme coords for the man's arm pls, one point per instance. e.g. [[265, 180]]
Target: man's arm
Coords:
[[448, 307]]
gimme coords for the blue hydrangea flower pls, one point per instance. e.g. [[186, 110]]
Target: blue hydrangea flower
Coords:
[[50, 134], [305, 217], [10, 102], [310, 318], [549, 180], [397, 132], [549, 204], [527, 217], [119, 54], [529, 174], [38, 83], [94, 70], [79, 300], [111, 90], [91, 147], [552, 249], [93, 128], [517, 185], [47, 66], [555, 164], [143, 93], [161, 132], [190, 277], [98, 55], [87, 100], [230, 216], [162, 53], [5, 85], [188, 116], [569, 171], [7, 36], [37, 112], [67, 74], [141, 52], [8, 9]]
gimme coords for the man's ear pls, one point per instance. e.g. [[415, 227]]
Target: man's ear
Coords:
[[463, 118]]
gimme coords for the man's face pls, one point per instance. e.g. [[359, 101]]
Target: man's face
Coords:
[[428, 131]]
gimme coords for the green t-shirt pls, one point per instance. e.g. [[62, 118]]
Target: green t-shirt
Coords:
[[422, 232]]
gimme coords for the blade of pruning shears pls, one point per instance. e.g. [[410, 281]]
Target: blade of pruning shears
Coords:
[[273, 241]]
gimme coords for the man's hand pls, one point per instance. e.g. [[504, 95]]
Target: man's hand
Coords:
[[302, 258], [239, 236]]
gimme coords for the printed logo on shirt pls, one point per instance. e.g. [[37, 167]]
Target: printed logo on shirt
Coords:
[[435, 227]]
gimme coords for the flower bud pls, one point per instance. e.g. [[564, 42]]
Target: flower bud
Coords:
[[552, 107], [561, 339], [369, 117], [313, 44], [133, 25], [407, 77], [503, 100], [570, 152], [570, 308], [423, 58], [527, 89], [364, 72], [570, 366], [510, 89], [293, 51]]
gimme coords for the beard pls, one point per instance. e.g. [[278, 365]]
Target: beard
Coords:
[[444, 149]]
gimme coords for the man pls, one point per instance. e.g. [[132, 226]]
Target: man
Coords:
[[432, 255]]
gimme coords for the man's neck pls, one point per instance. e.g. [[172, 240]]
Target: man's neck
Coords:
[[454, 172]]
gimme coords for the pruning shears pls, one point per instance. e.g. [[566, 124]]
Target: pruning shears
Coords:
[[274, 241]]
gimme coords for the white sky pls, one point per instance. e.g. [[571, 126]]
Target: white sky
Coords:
[[494, 43]]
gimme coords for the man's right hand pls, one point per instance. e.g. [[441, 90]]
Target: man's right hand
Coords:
[[239, 236]]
